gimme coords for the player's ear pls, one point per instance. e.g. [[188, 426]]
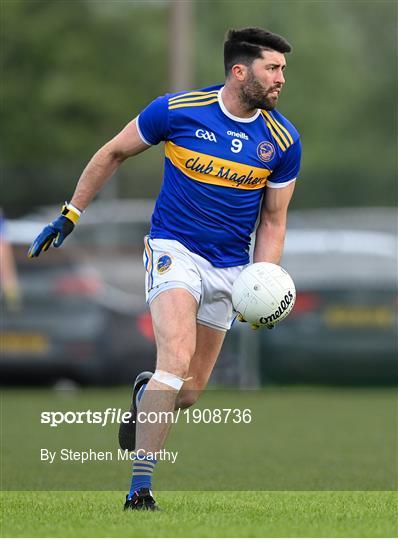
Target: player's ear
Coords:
[[239, 71]]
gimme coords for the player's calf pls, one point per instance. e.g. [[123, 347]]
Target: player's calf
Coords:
[[187, 398]]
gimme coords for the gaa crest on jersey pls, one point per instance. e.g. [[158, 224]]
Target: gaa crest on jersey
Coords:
[[163, 264], [265, 151]]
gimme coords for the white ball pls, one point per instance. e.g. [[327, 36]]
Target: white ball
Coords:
[[263, 293]]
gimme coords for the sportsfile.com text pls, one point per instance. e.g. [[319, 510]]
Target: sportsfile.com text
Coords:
[[117, 416]]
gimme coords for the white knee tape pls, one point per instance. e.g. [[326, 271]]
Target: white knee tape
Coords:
[[168, 378]]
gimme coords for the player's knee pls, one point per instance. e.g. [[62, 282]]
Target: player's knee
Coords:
[[178, 365], [176, 362]]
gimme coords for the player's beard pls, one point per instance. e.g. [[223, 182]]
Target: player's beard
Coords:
[[254, 95]]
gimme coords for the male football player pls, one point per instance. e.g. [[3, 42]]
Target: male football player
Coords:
[[230, 157]]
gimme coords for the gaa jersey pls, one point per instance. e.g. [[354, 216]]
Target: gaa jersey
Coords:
[[215, 171]]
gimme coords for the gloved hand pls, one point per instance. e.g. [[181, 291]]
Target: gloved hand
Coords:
[[56, 231], [255, 326]]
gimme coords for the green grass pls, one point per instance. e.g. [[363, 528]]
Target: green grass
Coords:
[[203, 514], [314, 462]]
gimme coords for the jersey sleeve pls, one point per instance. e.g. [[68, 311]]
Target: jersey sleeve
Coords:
[[153, 121], [289, 167]]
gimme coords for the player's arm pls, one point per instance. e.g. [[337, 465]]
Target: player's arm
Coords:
[[271, 230], [105, 162], [97, 172], [149, 128]]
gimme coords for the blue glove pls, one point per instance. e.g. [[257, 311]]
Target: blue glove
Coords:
[[56, 231]]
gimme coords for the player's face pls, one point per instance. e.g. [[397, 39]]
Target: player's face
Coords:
[[264, 81]]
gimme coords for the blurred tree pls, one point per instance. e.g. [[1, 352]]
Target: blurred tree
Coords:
[[340, 93], [74, 75], [75, 72]]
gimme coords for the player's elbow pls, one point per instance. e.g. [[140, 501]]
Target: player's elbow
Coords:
[[272, 227], [117, 156], [111, 155]]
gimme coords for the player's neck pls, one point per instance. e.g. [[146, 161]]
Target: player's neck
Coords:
[[233, 104]]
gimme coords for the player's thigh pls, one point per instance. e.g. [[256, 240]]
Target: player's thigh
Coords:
[[208, 346], [174, 322]]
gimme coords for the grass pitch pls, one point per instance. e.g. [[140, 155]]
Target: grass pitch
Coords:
[[202, 514]]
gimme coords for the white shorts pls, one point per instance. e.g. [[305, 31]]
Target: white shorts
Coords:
[[170, 265]]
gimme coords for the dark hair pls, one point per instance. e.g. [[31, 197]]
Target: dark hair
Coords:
[[245, 45]]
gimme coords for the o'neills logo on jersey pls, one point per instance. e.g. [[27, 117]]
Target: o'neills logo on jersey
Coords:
[[283, 306], [265, 151], [239, 134]]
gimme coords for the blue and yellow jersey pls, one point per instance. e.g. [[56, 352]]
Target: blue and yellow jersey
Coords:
[[216, 168]]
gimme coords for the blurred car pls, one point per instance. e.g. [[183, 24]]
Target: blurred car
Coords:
[[343, 328], [70, 323]]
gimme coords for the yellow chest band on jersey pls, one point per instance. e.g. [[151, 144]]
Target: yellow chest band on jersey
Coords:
[[215, 170]]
